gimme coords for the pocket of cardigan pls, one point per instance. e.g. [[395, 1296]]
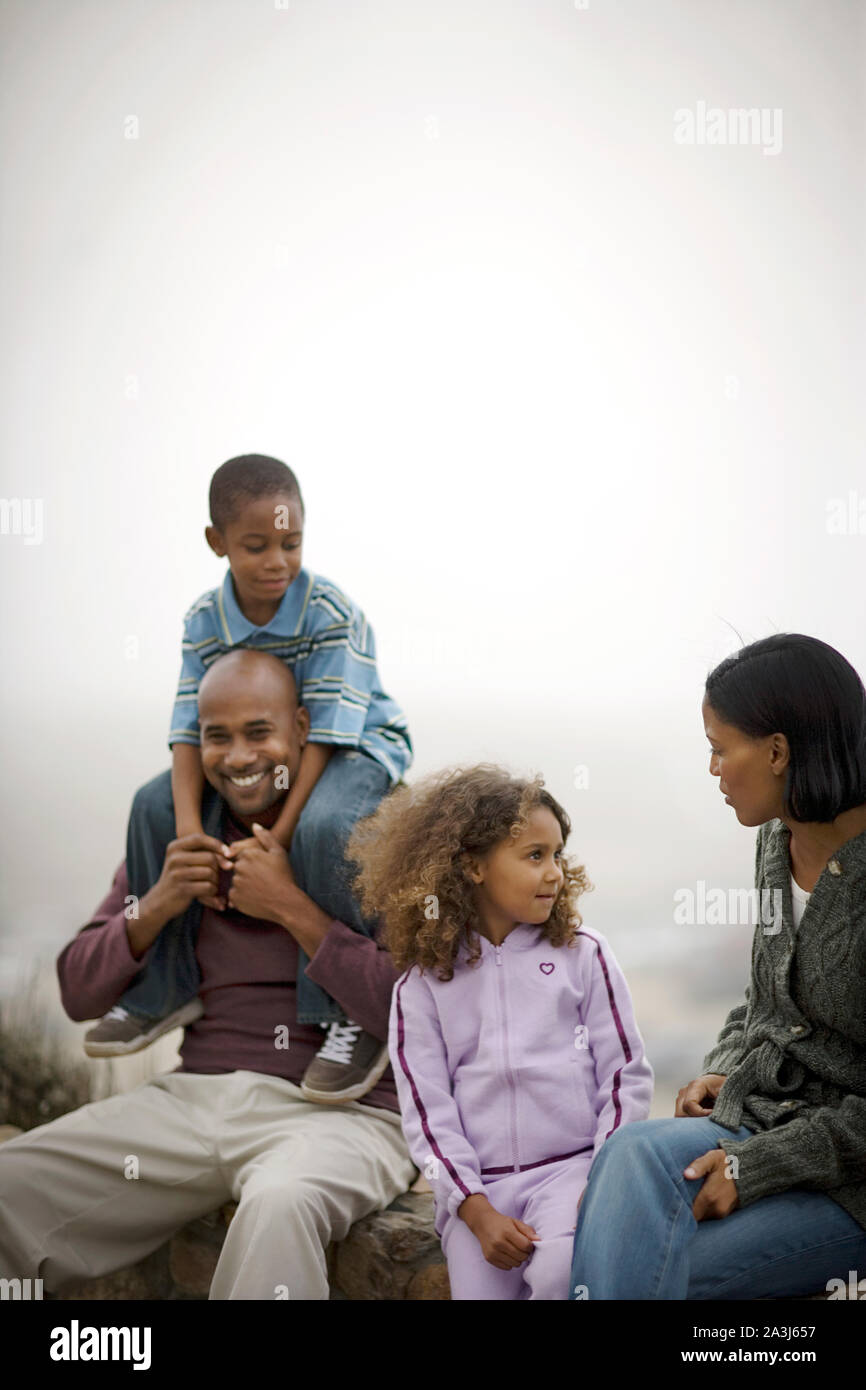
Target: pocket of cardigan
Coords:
[[790, 1075]]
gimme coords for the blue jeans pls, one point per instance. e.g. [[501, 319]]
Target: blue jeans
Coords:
[[636, 1237], [350, 788]]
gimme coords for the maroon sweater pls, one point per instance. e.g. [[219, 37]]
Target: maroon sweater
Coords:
[[248, 973]]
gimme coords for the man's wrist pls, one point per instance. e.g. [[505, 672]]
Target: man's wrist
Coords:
[[143, 929], [303, 919]]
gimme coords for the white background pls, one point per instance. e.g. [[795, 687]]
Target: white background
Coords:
[[568, 400]]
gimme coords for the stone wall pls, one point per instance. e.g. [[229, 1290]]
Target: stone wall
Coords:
[[392, 1255]]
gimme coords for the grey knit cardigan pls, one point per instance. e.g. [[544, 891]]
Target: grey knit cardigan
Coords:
[[794, 1053]]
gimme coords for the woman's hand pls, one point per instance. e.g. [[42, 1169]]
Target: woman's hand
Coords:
[[691, 1099], [718, 1195]]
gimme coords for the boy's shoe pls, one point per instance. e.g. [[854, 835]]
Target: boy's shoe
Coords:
[[120, 1032], [346, 1066]]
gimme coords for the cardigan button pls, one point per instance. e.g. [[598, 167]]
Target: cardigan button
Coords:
[[786, 1104], [798, 1028], [834, 866]]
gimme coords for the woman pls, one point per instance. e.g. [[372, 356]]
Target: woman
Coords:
[[757, 1189]]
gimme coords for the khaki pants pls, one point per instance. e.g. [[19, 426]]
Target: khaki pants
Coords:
[[102, 1187]]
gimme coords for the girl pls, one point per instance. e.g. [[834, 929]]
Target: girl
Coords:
[[512, 1035], [757, 1189]]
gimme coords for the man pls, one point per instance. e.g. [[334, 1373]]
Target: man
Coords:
[[100, 1188]]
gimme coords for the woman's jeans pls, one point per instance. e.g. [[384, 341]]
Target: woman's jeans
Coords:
[[350, 788], [636, 1236]]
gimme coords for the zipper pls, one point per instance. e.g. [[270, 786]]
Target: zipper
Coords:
[[509, 1073]]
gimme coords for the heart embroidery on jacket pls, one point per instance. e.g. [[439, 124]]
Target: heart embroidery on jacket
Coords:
[[547, 967]]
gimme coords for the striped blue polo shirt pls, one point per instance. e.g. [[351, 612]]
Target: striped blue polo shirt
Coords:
[[330, 647]]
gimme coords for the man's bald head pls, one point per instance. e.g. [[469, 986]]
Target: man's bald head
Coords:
[[244, 668], [252, 730]]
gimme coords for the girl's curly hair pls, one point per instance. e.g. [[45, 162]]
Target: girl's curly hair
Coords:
[[411, 855]]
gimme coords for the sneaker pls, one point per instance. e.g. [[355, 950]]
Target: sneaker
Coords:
[[120, 1032], [346, 1066]]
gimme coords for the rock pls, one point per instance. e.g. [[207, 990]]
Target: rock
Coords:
[[193, 1255], [150, 1280], [430, 1284], [384, 1252], [389, 1255]]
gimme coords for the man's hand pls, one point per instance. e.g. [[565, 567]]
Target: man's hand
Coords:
[[692, 1099], [718, 1195], [190, 870], [186, 830], [505, 1242], [237, 848], [262, 879], [263, 885]]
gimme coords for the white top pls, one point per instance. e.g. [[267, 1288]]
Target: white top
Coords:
[[799, 900]]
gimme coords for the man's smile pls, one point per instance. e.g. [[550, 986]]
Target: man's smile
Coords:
[[249, 779]]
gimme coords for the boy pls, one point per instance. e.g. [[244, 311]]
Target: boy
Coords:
[[358, 746]]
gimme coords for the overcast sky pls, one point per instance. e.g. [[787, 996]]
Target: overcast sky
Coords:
[[573, 402]]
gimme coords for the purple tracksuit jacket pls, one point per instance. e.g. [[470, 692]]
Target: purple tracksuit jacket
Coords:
[[527, 1058]]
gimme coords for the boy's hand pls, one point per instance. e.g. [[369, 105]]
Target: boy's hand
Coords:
[[505, 1242]]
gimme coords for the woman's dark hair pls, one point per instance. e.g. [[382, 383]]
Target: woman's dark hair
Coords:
[[797, 686]]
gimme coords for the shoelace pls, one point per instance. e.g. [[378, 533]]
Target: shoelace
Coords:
[[117, 1012], [339, 1042]]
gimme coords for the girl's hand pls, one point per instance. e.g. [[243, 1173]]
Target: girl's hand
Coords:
[[505, 1242], [718, 1195]]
